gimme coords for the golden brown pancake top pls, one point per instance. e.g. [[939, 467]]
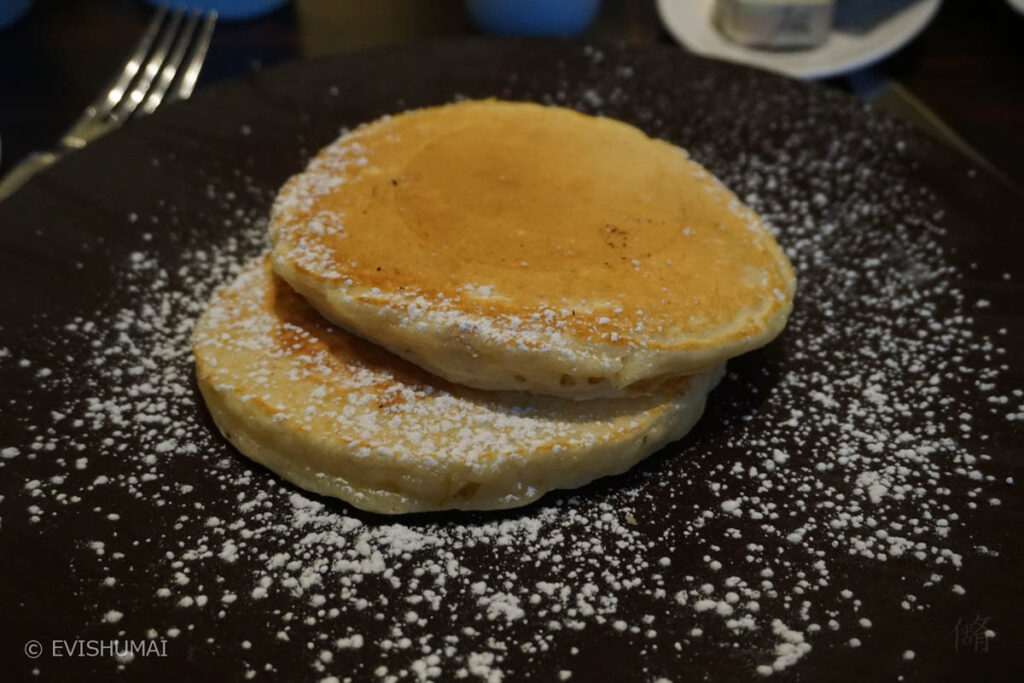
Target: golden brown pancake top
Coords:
[[532, 214]]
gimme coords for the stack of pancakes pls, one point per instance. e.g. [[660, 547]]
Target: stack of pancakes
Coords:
[[470, 305]]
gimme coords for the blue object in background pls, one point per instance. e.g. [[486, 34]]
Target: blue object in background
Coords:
[[12, 10], [533, 17], [226, 9]]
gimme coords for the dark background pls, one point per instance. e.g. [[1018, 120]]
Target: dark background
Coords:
[[966, 67]]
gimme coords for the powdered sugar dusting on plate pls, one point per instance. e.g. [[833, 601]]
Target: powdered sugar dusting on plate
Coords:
[[822, 463]]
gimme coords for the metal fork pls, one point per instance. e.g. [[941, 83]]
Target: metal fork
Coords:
[[147, 79]]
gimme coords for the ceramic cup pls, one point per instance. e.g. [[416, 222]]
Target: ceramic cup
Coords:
[[533, 17]]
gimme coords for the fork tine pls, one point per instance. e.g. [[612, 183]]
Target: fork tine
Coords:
[[157, 93], [150, 69], [195, 62], [95, 121], [109, 100]]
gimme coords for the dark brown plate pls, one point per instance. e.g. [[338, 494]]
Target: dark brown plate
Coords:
[[871, 448]]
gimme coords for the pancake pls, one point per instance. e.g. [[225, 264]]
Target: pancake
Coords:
[[341, 417], [512, 246]]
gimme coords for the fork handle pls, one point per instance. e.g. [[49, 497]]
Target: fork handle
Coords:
[[24, 170]]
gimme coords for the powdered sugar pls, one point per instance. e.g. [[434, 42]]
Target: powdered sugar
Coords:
[[824, 468]]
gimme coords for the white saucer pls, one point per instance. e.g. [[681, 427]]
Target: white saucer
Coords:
[[845, 50]]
